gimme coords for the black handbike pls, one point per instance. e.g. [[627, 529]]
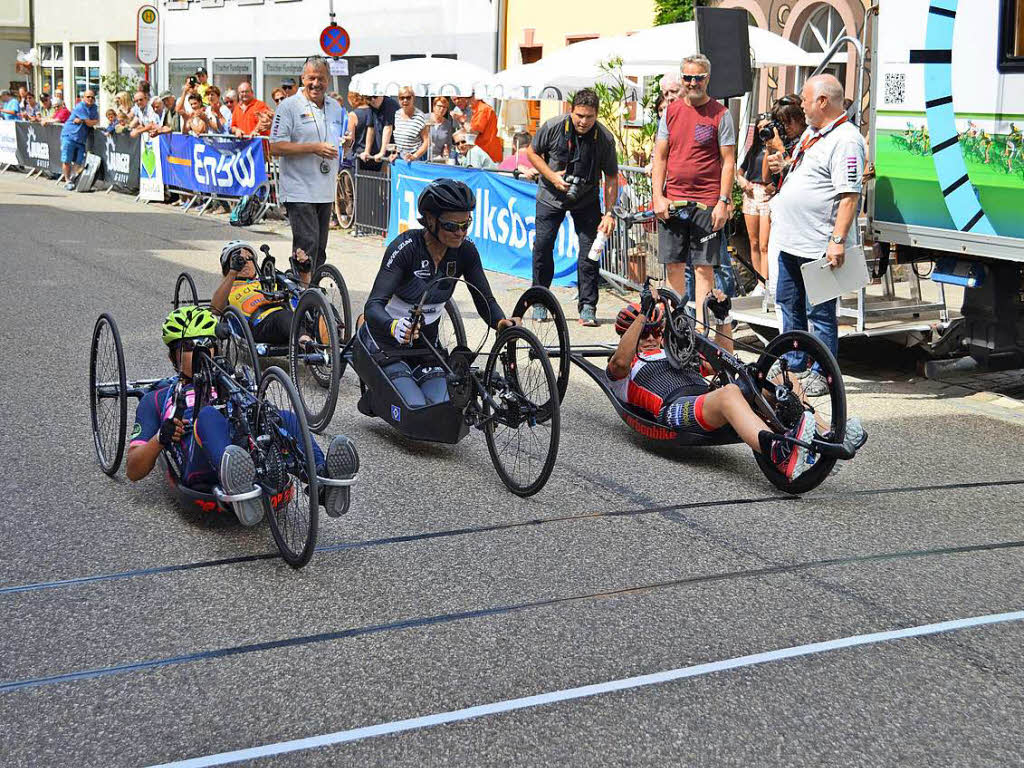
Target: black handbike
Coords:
[[286, 478]]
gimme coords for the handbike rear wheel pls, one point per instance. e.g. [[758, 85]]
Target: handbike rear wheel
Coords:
[[523, 445], [330, 282], [185, 290], [108, 395], [240, 348], [451, 331], [553, 333], [316, 380], [829, 409], [285, 467]]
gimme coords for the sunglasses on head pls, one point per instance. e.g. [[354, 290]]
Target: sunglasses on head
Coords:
[[693, 78], [455, 226]]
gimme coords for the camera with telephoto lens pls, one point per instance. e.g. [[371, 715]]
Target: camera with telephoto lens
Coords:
[[193, 82], [575, 183], [767, 131]]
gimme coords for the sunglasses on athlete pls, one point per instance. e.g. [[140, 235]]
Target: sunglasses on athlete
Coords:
[[455, 226], [189, 345]]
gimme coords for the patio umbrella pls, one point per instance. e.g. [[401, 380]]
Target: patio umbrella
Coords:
[[547, 80], [427, 76]]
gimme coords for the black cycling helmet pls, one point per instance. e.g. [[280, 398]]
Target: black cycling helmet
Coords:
[[446, 196], [631, 311]]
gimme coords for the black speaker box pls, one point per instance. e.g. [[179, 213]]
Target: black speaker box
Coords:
[[723, 37]]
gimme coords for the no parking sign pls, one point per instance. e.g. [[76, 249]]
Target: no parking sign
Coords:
[[334, 40]]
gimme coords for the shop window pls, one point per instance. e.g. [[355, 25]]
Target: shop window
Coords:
[[1011, 36]]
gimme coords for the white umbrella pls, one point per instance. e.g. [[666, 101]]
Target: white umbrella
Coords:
[[547, 80], [427, 76]]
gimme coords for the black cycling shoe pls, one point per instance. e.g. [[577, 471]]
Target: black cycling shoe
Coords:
[[342, 464], [237, 473]]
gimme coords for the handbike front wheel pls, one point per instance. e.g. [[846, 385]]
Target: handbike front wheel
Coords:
[[240, 349], [552, 332], [285, 467], [185, 290], [797, 352], [313, 358], [330, 282], [108, 394], [522, 433]]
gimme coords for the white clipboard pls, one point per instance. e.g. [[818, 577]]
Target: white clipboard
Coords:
[[822, 283]]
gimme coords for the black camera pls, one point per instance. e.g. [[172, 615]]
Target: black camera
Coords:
[[193, 82], [575, 183], [767, 131]]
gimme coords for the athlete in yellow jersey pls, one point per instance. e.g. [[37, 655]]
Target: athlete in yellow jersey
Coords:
[[270, 320]]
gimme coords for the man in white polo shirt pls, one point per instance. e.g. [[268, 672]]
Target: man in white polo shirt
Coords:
[[815, 211], [305, 134]]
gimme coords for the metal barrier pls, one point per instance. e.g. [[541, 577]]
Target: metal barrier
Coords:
[[372, 199], [632, 251]]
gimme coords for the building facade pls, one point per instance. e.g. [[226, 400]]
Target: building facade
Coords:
[[265, 41], [15, 35]]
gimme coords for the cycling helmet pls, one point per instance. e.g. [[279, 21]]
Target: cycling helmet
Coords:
[[631, 311], [189, 323], [446, 196], [228, 250]]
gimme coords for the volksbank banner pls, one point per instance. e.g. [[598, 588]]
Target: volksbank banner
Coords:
[[224, 166], [503, 222]]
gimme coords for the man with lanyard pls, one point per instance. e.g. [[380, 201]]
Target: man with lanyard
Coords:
[[570, 153], [415, 260], [306, 133], [640, 375], [165, 420], [694, 161], [271, 321], [75, 133], [814, 211]]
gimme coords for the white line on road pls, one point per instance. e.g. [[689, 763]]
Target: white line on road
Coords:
[[509, 705]]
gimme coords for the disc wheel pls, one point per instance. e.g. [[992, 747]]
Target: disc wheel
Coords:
[[451, 331], [330, 282], [344, 200], [185, 290], [520, 379], [552, 333], [314, 362], [240, 349], [798, 351], [108, 396], [285, 467]]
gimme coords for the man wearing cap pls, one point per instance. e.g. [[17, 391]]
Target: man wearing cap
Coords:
[[203, 85], [288, 86], [306, 134]]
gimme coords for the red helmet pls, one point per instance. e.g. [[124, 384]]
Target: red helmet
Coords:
[[631, 311]]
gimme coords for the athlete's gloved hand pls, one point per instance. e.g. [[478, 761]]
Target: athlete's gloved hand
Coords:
[[401, 329], [171, 431], [646, 300], [238, 259], [720, 304]]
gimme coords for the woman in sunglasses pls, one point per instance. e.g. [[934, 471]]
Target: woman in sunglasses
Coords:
[[641, 375], [418, 260]]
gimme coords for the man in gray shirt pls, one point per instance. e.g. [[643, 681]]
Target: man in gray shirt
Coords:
[[305, 134]]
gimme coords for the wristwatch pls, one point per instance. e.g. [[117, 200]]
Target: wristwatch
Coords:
[[836, 239], [723, 199]]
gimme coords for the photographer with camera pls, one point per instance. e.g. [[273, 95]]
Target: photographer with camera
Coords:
[[757, 191], [571, 152]]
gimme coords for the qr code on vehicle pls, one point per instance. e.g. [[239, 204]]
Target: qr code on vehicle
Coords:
[[895, 87]]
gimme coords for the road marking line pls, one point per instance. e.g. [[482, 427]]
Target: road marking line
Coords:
[[586, 691]]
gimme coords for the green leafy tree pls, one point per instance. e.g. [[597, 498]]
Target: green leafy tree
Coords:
[[113, 83], [674, 11]]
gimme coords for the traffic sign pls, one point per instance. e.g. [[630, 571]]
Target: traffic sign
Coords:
[[334, 40], [147, 34]]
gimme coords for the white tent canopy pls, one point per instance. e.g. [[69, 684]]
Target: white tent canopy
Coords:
[[427, 76], [544, 80]]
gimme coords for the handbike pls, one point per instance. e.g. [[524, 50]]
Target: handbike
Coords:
[[286, 478], [512, 398], [322, 313]]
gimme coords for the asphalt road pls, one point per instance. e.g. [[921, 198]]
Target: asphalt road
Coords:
[[441, 591]]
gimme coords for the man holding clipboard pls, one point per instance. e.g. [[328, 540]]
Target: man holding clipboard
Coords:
[[813, 216]]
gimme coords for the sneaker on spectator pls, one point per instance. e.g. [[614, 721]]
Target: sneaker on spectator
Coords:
[[588, 316], [790, 459], [70, 186], [814, 384], [540, 314]]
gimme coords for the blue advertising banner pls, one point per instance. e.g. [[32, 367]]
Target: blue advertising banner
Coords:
[[225, 166], [503, 223]]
